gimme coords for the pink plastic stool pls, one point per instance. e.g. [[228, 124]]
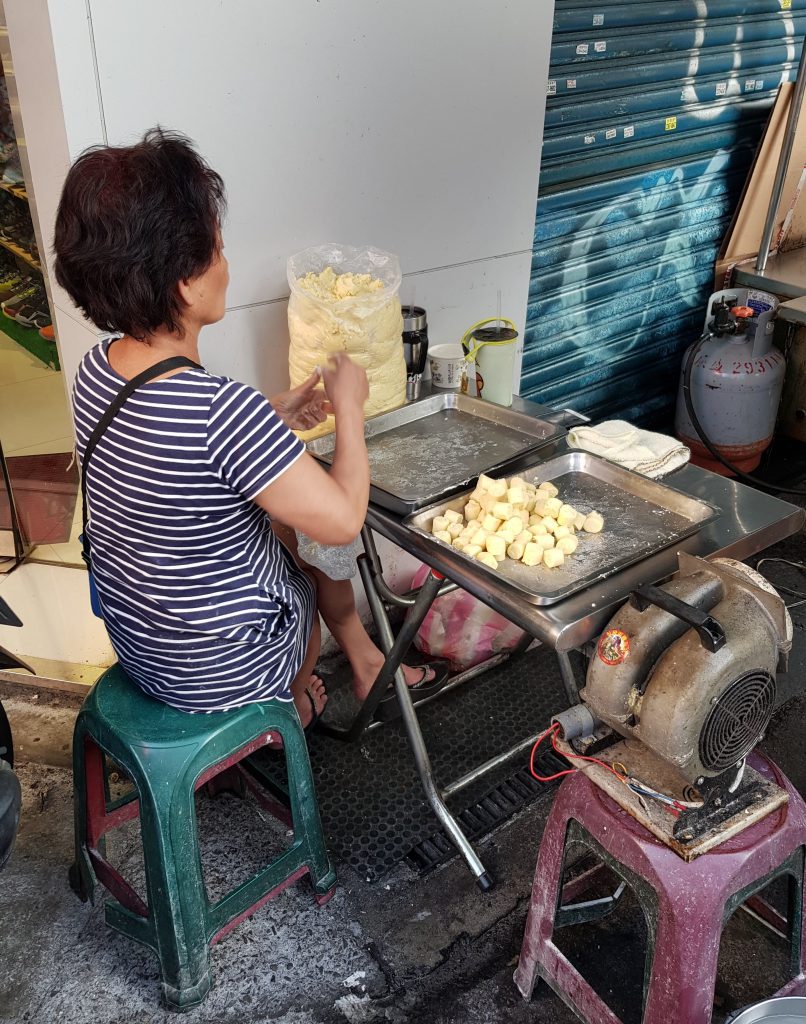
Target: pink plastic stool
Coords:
[[686, 905]]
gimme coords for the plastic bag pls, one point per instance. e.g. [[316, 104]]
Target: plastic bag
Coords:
[[462, 629], [339, 563], [367, 326]]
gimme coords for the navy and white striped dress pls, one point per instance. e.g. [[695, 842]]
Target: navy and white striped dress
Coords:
[[205, 608]]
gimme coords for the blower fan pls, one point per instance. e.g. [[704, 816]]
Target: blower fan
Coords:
[[687, 671]]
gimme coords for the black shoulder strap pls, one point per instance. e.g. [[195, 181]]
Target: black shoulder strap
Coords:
[[157, 370]]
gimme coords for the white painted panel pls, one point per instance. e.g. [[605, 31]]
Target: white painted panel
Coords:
[[251, 345], [58, 625], [74, 337], [412, 126], [75, 60], [456, 297]]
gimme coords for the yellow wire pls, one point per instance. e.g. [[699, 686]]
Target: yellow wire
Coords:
[[471, 355]]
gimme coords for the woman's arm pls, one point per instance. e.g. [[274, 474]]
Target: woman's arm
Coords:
[[329, 507]]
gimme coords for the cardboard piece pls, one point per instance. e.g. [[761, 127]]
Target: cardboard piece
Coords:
[[743, 237]]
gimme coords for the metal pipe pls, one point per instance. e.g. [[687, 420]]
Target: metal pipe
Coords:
[[16, 529], [471, 673], [590, 910], [408, 599], [395, 652], [422, 761], [494, 762], [371, 572], [371, 551], [447, 588], [569, 678], [783, 163]]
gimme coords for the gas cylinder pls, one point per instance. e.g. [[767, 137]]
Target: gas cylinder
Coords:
[[736, 381]]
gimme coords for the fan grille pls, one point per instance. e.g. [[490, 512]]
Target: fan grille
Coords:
[[737, 720]]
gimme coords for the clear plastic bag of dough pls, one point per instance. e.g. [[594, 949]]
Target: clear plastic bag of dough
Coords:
[[345, 299], [339, 563]]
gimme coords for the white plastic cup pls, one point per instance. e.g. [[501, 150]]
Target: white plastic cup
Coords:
[[495, 367], [447, 366], [491, 351]]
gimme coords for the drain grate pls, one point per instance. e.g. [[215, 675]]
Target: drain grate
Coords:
[[492, 810], [370, 797]]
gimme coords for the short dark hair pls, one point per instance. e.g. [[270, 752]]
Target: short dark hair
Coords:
[[134, 221]]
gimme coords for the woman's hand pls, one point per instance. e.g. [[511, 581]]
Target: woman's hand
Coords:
[[345, 383], [303, 407], [329, 507]]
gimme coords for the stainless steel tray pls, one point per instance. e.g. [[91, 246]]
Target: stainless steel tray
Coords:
[[642, 517], [428, 450]]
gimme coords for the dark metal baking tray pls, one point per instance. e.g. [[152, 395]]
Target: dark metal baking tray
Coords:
[[428, 450], [642, 517]]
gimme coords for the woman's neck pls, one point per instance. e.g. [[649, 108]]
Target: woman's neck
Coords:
[[128, 356]]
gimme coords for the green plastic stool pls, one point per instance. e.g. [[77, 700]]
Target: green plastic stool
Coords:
[[168, 755]]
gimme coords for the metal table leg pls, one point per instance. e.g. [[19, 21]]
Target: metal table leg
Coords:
[[395, 652], [569, 677]]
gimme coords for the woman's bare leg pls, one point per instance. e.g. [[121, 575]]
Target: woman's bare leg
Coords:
[[306, 680], [337, 607], [336, 604]]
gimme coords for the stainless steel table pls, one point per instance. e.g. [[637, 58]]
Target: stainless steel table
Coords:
[[749, 523]]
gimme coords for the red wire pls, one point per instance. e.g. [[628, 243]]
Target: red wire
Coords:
[[547, 778], [553, 730], [593, 760]]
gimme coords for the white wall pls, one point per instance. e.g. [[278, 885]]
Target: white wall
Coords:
[[415, 127]]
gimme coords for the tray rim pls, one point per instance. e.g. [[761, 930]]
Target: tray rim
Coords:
[[555, 597], [406, 505]]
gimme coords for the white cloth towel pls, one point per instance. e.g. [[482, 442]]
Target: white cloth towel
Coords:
[[644, 452]]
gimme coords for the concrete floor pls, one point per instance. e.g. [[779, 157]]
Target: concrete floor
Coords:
[[403, 950]]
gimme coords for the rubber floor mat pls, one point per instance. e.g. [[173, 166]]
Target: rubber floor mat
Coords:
[[373, 808]]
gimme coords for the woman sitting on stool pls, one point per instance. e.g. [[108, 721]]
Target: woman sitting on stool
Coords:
[[205, 604]]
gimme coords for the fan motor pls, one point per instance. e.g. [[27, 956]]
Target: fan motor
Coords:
[[659, 677]]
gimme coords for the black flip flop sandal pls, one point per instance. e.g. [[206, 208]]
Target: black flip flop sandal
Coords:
[[389, 709], [315, 715]]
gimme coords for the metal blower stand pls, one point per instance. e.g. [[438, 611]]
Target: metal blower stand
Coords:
[[642, 764]]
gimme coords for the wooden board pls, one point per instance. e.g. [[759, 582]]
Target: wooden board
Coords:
[[646, 767]]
